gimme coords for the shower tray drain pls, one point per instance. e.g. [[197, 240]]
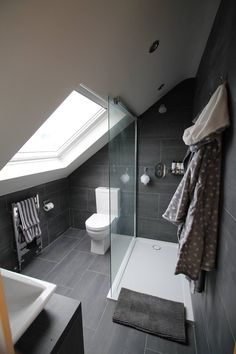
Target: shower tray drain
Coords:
[[156, 247]]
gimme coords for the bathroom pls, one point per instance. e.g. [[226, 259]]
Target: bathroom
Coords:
[[165, 101]]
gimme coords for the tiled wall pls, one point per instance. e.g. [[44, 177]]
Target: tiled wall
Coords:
[[215, 309], [94, 173], [160, 140], [82, 183], [53, 223]]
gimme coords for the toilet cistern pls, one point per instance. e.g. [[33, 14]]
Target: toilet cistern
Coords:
[[98, 224]]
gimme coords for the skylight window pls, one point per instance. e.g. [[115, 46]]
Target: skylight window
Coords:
[[73, 133], [67, 123]]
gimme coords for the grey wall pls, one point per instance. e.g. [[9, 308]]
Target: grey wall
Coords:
[[160, 139], [215, 310], [53, 223], [82, 183]]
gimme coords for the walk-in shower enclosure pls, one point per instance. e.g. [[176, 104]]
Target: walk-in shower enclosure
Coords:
[[122, 175]]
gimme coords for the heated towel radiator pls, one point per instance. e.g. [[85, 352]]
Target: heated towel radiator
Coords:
[[23, 250]]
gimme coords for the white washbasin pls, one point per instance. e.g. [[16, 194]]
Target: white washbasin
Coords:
[[25, 297]]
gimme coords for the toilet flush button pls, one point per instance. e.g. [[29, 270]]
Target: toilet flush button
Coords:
[[156, 247]]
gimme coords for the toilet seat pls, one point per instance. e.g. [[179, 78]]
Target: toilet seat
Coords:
[[99, 222]]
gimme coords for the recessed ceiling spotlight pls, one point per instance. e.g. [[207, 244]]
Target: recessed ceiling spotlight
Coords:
[[161, 87], [154, 46]]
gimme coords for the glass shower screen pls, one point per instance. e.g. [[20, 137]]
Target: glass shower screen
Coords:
[[122, 184]]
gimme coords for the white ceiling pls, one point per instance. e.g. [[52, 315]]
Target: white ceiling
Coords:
[[50, 47]]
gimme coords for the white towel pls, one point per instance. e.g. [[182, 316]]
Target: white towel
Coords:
[[29, 219], [214, 118]]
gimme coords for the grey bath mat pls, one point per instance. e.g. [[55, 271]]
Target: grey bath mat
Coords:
[[151, 314]]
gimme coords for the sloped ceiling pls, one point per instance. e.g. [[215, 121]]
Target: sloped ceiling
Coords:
[[50, 47]]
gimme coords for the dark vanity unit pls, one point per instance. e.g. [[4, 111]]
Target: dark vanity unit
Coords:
[[57, 329]]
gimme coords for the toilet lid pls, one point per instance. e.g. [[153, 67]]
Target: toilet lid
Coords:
[[99, 222]]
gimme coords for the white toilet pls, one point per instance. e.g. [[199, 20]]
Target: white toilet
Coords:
[[98, 225]]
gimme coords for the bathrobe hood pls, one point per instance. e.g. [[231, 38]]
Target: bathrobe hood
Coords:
[[213, 118]]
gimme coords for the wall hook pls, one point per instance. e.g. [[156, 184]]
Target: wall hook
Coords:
[[145, 179]]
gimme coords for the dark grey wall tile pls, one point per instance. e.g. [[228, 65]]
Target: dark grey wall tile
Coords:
[[167, 229], [226, 275], [172, 150], [6, 239], [5, 216], [165, 125], [57, 225], [127, 151], [74, 233], [78, 218], [214, 309], [126, 225], [90, 176], [127, 200], [148, 205], [82, 184], [78, 198], [45, 235], [219, 337], [56, 186], [148, 151], [200, 328], [8, 259], [148, 228], [91, 201], [160, 140], [52, 224], [100, 158], [24, 194], [164, 202], [157, 229]]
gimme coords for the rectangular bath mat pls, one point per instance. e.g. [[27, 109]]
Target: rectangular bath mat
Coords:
[[151, 314]]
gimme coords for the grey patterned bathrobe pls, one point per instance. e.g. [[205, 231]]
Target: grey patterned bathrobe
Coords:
[[194, 208]]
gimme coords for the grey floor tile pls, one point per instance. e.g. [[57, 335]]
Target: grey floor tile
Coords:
[[92, 290], [88, 338], [59, 248], [74, 233], [112, 338], [166, 346], [84, 244], [190, 346], [63, 290], [38, 268], [101, 264], [148, 351], [70, 269]]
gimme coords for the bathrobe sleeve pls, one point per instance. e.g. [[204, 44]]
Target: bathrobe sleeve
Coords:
[[179, 205], [194, 208]]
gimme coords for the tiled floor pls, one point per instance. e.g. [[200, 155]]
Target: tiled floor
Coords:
[[86, 277]]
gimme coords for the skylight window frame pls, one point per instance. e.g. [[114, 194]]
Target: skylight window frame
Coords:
[[24, 157], [92, 136]]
